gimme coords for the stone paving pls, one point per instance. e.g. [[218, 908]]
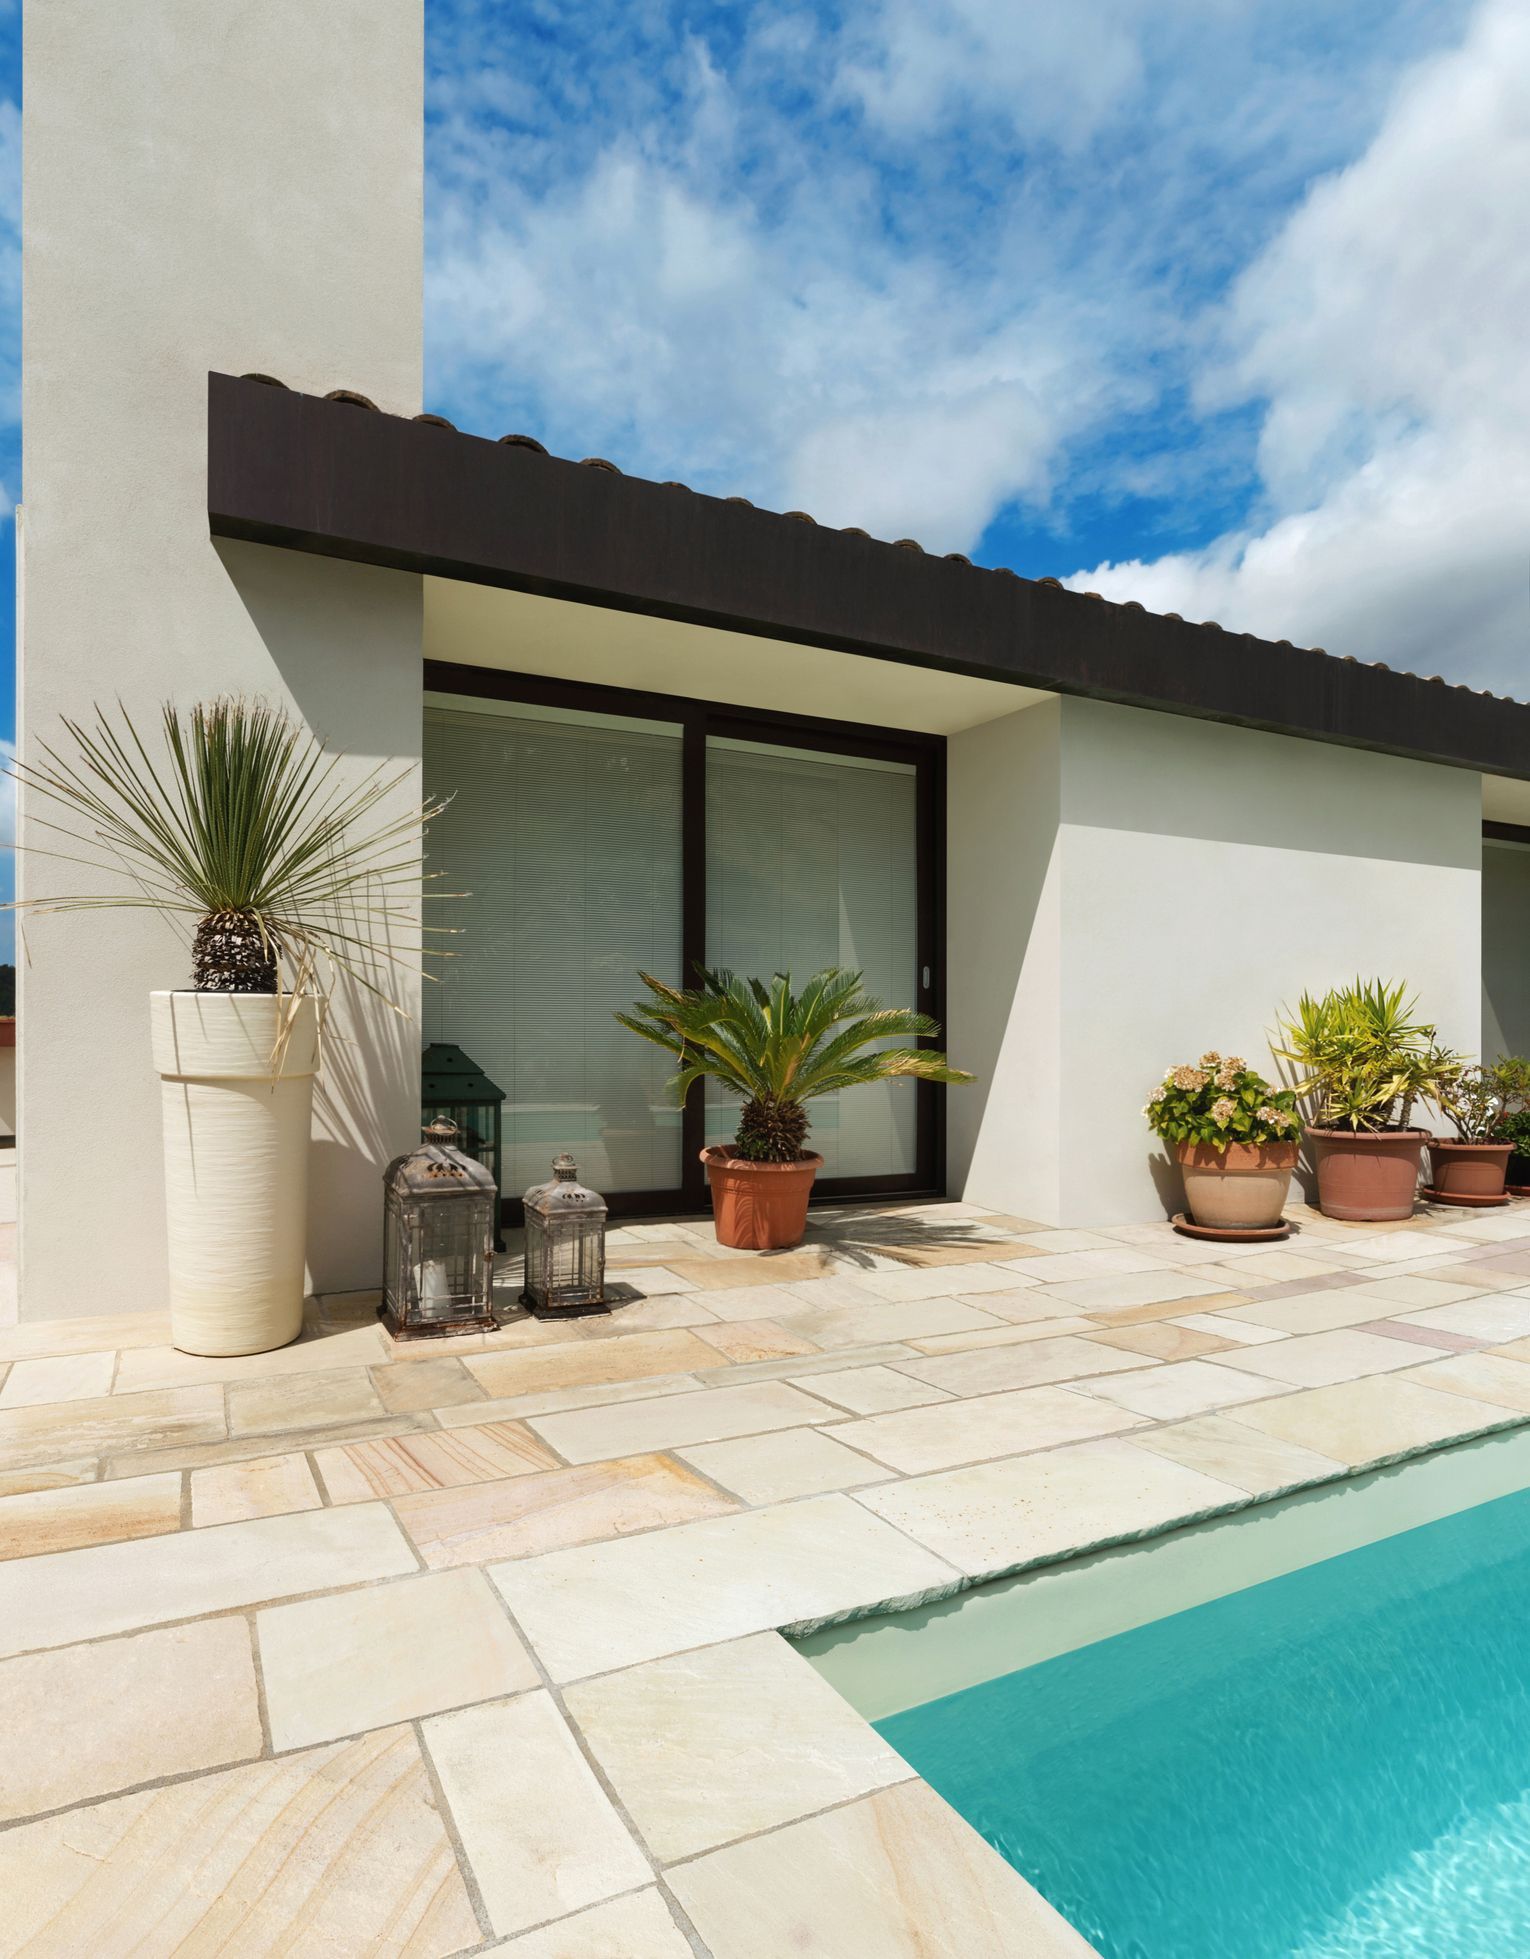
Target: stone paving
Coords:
[[429, 1650]]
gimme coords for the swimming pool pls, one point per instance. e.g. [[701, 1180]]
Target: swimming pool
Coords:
[[1331, 1764]]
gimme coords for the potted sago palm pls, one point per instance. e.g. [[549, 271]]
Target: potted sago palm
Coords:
[[1236, 1141], [294, 876], [1366, 1060], [777, 1050], [1471, 1167]]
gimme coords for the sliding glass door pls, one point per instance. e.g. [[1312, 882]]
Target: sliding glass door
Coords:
[[599, 834], [563, 831], [812, 861]]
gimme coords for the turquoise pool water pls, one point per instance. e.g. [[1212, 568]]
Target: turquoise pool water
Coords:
[[1334, 1764]]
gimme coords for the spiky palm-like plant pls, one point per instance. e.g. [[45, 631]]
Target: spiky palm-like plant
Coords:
[[292, 875], [1367, 1058], [777, 1049]]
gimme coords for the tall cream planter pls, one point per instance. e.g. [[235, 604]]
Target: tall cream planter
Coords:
[[236, 1165]]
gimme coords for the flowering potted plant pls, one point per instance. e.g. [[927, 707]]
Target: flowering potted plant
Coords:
[[776, 1050], [1470, 1167], [1367, 1061], [1235, 1138]]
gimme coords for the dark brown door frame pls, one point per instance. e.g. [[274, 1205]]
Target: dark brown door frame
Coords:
[[698, 720]]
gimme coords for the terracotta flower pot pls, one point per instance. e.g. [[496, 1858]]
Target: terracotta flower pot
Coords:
[[1241, 1188], [1458, 1169], [759, 1207], [1367, 1175]]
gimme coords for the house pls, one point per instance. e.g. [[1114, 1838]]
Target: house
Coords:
[[674, 726]]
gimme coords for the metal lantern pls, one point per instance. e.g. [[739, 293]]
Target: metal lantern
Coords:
[[440, 1208], [453, 1085], [565, 1246]]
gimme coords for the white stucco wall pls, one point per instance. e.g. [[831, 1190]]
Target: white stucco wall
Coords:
[[208, 184], [1200, 878], [1505, 949]]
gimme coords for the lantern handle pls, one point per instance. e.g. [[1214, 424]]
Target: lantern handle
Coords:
[[443, 1131], [565, 1170]]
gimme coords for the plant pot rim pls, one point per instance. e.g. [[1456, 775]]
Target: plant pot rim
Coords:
[[1473, 1143], [720, 1155], [1186, 1148], [1371, 1135]]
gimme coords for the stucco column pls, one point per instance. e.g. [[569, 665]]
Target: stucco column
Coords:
[[208, 184]]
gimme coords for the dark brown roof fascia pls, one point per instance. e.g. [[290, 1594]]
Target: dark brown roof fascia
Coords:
[[318, 475]]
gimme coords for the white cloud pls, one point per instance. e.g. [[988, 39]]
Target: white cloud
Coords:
[[1384, 330]]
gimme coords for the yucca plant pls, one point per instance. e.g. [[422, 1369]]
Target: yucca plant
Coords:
[[777, 1049], [1366, 1057], [243, 825]]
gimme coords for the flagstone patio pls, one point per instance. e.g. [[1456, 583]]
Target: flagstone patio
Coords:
[[428, 1650]]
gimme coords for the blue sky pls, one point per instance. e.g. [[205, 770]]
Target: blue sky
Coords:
[[1218, 304]]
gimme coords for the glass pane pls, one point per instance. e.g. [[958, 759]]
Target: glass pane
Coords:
[[811, 862], [565, 830]]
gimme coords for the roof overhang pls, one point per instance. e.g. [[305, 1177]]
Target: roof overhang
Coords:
[[347, 481]]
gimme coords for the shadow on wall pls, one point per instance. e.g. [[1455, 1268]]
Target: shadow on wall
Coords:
[[345, 641]]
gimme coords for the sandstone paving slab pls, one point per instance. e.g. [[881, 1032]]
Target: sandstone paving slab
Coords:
[[938, 1281], [1176, 1389], [609, 1605], [265, 1486], [382, 1654], [1415, 1289], [538, 1829], [898, 1875], [770, 1301], [1004, 1336], [249, 1448], [872, 1390], [88, 1513], [1163, 1340], [1494, 1377], [281, 1402], [1002, 1516], [1312, 1312], [552, 1401], [435, 1383], [90, 1333], [634, 1427], [1499, 1318], [1033, 1364], [1133, 1289], [86, 1721], [336, 1850], [838, 1290], [1423, 1336], [752, 1340], [1376, 1420], [637, 1926], [752, 1737], [65, 1377], [887, 1320], [918, 1440], [48, 1476], [1226, 1326], [399, 1465], [1222, 1447], [1315, 1360], [775, 1468], [584, 1363], [548, 1512], [798, 1367], [65, 1596], [110, 1425], [317, 1352]]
